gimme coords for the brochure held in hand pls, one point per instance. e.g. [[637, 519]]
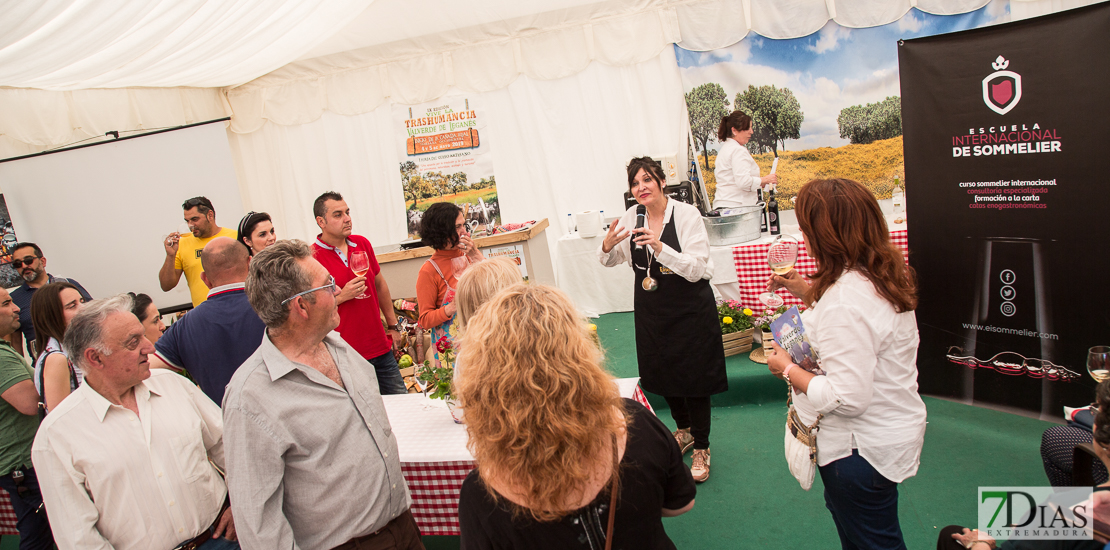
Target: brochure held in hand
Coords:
[[790, 334]]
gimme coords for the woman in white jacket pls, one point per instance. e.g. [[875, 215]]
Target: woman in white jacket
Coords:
[[861, 325], [736, 172]]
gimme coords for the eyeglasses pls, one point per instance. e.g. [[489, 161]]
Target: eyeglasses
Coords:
[[331, 285], [27, 260]]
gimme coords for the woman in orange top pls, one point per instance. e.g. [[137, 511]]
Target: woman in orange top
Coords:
[[443, 228]]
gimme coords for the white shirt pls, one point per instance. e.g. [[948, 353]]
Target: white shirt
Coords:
[[737, 176], [692, 264], [869, 394], [113, 480]]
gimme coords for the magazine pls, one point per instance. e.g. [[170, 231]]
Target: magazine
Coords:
[[790, 334]]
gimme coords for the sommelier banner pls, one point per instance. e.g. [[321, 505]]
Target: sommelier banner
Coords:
[[1006, 151]]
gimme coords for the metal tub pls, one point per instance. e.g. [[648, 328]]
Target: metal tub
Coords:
[[740, 225]]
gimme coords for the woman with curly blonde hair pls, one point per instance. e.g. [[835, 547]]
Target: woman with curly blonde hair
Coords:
[[554, 442]]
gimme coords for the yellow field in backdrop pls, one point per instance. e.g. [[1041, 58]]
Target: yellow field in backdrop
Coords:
[[874, 165]]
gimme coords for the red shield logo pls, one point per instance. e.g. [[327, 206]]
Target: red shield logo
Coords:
[[1001, 89]]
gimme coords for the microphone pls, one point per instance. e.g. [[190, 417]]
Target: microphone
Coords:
[[641, 215]]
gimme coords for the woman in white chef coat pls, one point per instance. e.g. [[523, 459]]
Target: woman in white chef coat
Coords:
[[736, 171]]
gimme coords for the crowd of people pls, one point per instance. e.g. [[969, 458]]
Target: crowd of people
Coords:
[[279, 436]]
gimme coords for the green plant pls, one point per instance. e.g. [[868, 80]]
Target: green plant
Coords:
[[733, 317], [437, 379]]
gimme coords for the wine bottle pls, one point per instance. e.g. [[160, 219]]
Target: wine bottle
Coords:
[[762, 211], [898, 198], [772, 212]]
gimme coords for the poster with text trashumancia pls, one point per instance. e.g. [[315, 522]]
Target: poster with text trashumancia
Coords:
[[1005, 145], [445, 157]]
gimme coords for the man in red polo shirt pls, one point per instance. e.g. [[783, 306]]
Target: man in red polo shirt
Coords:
[[359, 323]]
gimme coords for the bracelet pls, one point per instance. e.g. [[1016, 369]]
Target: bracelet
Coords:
[[396, 327], [786, 371]]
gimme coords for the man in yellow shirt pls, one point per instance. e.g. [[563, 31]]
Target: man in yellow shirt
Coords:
[[183, 251]]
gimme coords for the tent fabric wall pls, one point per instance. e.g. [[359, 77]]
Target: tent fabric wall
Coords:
[[69, 44], [78, 44], [558, 147]]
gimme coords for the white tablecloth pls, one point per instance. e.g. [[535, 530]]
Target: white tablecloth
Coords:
[[595, 289]]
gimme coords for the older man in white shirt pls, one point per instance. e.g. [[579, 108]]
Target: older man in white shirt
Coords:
[[130, 460]]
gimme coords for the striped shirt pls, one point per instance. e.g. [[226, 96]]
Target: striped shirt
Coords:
[[310, 464]]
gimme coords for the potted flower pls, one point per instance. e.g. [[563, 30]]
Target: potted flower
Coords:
[[736, 326], [437, 378]]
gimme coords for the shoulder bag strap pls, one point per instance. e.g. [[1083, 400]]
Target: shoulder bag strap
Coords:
[[612, 498]]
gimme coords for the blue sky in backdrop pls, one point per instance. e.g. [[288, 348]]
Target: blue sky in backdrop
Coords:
[[829, 70]]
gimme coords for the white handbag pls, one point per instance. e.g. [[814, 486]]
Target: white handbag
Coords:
[[801, 445]]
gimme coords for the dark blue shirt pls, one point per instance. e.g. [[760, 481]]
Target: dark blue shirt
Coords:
[[22, 298], [213, 339]]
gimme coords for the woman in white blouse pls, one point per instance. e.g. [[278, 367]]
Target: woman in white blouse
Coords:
[[736, 172], [862, 325], [678, 338]]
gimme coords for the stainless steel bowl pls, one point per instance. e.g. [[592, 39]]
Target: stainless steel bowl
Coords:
[[739, 226]]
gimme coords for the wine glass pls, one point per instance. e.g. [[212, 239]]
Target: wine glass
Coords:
[[781, 256], [360, 264], [1098, 362]]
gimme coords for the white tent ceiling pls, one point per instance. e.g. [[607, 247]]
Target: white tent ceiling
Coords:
[[71, 69]]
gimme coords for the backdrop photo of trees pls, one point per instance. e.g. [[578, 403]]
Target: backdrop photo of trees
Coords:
[[827, 105]]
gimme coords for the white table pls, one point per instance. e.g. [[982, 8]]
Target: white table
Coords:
[[595, 289], [434, 457]]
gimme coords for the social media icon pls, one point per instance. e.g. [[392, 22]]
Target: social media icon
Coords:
[[1008, 293], [1007, 277], [1009, 309]]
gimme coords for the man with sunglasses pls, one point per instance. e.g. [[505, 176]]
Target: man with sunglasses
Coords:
[[183, 251], [311, 458], [29, 262]]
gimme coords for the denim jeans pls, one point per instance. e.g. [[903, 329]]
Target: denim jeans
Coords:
[[390, 381], [864, 504], [34, 529]]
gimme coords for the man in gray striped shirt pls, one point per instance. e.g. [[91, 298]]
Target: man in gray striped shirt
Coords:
[[311, 459]]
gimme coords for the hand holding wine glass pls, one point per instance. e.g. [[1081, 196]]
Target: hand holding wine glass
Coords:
[[1098, 362], [781, 256], [360, 264]]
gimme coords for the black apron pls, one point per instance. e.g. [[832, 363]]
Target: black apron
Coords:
[[678, 335]]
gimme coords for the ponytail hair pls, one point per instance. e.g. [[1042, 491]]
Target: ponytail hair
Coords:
[[737, 120]]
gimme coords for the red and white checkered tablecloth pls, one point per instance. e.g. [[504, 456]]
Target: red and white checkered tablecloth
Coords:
[[753, 272], [435, 494], [7, 515]]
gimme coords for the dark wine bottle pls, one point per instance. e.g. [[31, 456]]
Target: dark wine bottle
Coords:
[[773, 212], [762, 211]]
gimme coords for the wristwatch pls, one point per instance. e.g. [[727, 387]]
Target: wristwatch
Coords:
[[396, 327]]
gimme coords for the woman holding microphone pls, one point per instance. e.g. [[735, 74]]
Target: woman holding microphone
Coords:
[[678, 337], [736, 172], [861, 324]]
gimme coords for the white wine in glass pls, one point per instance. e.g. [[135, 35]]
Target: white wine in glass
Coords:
[[1098, 362], [781, 257], [360, 264]]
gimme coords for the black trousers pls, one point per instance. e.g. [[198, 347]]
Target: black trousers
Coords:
[[34, 529], [693, 413]]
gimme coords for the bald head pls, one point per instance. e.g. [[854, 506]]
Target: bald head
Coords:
[[225, 261]]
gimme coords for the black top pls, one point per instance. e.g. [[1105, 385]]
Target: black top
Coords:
[[653, 477]]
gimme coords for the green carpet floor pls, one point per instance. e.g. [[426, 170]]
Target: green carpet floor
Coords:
[[751, 501]]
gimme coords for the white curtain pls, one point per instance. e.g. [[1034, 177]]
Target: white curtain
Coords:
[[558, 146]]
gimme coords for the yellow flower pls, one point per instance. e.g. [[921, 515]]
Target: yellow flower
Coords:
[[727, 320], [593, 327], [748, 312]]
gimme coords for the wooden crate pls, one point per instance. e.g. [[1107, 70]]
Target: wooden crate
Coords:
[[737, 342]]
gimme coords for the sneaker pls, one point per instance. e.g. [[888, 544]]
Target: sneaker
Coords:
[[684, 439], [700, 467]]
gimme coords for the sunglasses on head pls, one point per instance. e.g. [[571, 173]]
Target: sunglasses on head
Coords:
[[27, 260]]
